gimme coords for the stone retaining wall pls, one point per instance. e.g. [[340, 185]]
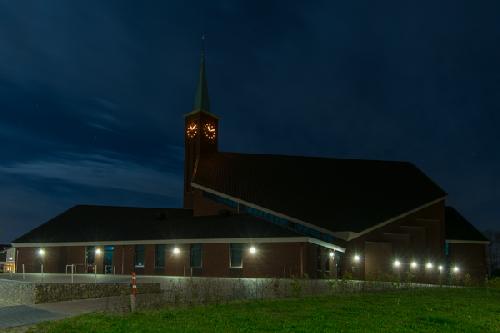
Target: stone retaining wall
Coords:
[[15, 292], [57, 292], [190, 290], [206, 290]]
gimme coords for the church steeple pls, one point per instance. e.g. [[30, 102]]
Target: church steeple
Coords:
[[201, 128], [201, 100]]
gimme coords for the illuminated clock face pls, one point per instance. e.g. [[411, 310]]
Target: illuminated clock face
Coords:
[[192, 130], [209, 131]]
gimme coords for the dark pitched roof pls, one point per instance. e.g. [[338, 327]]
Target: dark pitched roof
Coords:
[[335, 194], [104, 223], [458, 228]]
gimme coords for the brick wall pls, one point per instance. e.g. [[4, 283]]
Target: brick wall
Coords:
[[470, 258], [75, 255], [270, 260], [418, 236], [29, 258]]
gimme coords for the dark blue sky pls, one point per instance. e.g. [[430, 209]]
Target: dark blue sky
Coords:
[[92, 94]]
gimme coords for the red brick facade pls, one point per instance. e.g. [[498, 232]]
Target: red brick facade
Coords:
[[471, 258], [418, 237], [270, 260], [415, 237]]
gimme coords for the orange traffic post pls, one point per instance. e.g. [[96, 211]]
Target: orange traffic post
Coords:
[[133, 292]]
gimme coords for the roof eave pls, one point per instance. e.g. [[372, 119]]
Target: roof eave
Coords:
[[466, 241], [201, 111], [250, 240], [250, 204], [343, 235], [353, 235]]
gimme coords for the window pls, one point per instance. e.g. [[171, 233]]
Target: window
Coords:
[[139, 256], [270, 217], [236, 255], [328, 261], [108, 259], [319, 259], [160, 256], [195, 258], [338, 259], [90, 255]]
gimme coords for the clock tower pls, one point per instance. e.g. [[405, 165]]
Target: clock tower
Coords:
[[201, 133]]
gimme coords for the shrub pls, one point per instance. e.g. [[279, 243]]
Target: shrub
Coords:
[[494, 283], [467, 280], [276, 287], [347, 276], [495, 272], [296, 288]]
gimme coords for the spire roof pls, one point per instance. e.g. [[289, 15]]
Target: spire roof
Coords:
[[201, 100]]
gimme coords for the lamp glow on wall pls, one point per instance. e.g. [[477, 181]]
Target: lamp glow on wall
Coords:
[[331, 254], [252, 250], [97, 251], [414, 265], [456, 269], [429, 266], [176, 250], [356, 258], [397, 263], [41, 252]]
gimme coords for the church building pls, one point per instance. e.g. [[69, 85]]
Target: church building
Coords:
[[256, 215]]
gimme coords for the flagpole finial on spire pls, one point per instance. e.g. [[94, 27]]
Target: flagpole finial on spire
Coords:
[[203, 37]]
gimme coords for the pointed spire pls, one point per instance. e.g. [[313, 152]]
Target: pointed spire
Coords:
[[201, 100]]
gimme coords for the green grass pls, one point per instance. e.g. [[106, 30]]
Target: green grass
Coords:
[[430, 310]]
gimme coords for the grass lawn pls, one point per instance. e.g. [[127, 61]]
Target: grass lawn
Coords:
[[430, 310]]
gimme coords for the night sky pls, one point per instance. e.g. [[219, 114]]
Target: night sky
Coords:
[[92, 94]]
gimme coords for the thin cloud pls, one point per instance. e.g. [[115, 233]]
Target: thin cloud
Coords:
[[100, 127], [101, 172]]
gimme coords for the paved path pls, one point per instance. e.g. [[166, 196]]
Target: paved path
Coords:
[[22, 315]]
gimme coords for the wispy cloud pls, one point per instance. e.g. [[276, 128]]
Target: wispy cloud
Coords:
[[100, 127], [107, 104], [101, 172], [100, 114]]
